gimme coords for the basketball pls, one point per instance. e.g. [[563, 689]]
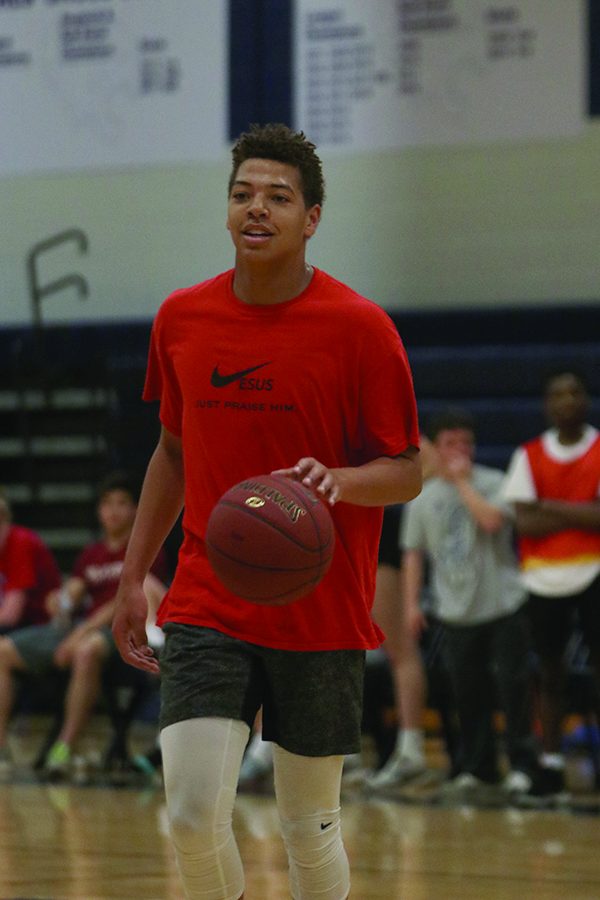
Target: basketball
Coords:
[[270, 540]]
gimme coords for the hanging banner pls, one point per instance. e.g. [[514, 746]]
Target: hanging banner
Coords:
[[90, 84], [395, 73]]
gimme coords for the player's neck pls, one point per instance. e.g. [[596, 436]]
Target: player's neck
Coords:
[[116, 540], [571, 434], [266, 285]]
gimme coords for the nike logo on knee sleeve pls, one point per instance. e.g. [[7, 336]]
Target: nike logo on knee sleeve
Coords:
[[325, 825]]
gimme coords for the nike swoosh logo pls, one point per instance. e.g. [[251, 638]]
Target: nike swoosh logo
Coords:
[[325, 825], [219, 381]]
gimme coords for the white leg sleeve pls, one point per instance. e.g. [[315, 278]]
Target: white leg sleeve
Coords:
[[201, 764], [308, 800]]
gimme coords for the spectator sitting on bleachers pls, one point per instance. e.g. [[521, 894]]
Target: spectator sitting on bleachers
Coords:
[[28, 572], [78, 637]]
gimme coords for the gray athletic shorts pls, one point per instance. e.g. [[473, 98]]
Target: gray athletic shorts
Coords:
[[37, 644], [312, 701]]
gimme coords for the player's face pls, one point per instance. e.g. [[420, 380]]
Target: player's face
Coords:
[[116, 512], [566, 401], [454, 442], [266, 214]]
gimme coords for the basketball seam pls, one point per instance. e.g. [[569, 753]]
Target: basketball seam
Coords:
[[263, 568], [300, 490], [257, 516], [260, 598]]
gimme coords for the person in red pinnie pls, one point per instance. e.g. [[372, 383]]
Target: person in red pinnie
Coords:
[[554, 483], [271, 366]]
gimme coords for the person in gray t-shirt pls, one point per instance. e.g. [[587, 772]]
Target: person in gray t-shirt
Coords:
[[461, 527]]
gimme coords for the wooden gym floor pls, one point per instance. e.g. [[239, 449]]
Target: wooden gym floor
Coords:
[[62, 842]]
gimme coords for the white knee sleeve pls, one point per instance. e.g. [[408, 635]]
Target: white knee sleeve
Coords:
[[308, 800], [201, 763], [318, 863]]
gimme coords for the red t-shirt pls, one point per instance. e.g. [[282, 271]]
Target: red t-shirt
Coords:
[[26, 564], [254, 388], [100, 568]]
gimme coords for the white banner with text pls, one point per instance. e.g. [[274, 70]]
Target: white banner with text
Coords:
[[90, 84]]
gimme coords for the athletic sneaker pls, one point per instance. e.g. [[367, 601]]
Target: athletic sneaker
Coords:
[[546, 787], [463, 783], [466, 788], [517, 782], [397, 771], [6, 763], [148, 763], [58, 760]]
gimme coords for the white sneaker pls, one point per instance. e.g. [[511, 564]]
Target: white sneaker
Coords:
[[517, 782], [398, 770], [465, 783]]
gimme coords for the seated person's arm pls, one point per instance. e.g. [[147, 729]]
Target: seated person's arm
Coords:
[[12, 607], [74, 588]]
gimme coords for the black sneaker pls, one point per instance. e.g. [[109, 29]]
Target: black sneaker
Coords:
[[547, 788]]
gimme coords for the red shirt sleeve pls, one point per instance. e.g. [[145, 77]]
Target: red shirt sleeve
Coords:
[[18, 561], [388, 422], [161, 379]]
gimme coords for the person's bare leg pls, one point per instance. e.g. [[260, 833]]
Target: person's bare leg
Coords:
[[409, 679], [84, 687], [402, 649], [10, 661]]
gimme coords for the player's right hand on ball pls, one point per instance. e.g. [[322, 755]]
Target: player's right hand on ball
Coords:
[[316, 476]]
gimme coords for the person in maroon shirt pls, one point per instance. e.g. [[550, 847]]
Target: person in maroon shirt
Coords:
[[28, 572], [78, 635]]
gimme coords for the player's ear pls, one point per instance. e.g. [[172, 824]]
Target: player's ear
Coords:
[[313, 217]]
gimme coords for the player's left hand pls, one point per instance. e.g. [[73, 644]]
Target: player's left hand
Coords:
[[129, 629], [314, 475]]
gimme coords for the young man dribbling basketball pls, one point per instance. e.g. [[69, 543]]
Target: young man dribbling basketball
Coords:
[[272, 366]]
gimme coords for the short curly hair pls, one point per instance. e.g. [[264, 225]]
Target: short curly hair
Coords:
[[119, 481], [450, 419], [280, 143]]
